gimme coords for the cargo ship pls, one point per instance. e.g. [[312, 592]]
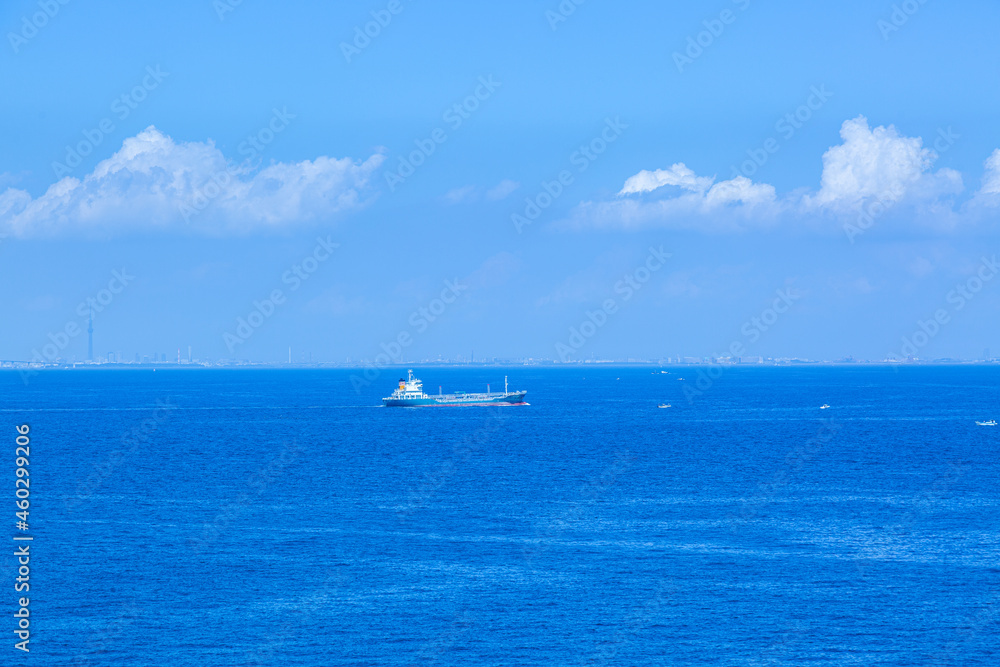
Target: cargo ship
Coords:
[[410, 394]]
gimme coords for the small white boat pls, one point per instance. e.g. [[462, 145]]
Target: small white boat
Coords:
[[824, 406], [664, 405], [992, 422]]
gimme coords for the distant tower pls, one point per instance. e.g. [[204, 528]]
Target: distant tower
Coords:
[[90, 336]]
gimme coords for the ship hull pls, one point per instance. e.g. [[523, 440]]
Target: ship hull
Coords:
[[406, 402], [455, 401]]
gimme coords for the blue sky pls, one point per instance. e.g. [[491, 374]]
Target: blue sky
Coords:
[[875, 208]]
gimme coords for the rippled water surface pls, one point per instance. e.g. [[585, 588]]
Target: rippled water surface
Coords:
[[278, 517]]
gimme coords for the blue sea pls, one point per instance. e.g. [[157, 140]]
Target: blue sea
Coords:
[[279, 517]]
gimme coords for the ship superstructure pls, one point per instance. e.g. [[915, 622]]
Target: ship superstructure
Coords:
[[410, 394]]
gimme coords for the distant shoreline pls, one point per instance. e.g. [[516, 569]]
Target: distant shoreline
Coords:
[[798, 363]]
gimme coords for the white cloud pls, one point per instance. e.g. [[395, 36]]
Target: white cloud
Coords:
[[687, 212], [502, 190], [740, 190], [870, 165], [991, 179], [153, 182], [738, 202], [879, 164], [12, 201], [678, 174], [463, 194]]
